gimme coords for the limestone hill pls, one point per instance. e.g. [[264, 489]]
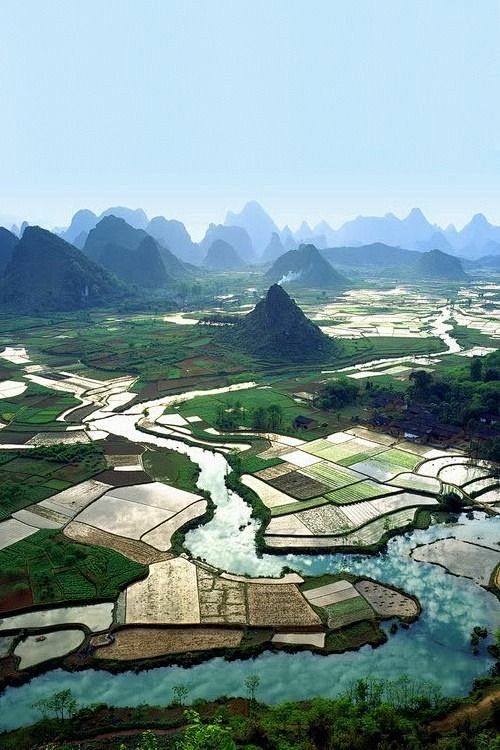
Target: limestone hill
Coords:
[[278, 329]]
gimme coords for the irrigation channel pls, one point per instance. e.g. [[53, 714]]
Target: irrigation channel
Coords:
[[436, 648]]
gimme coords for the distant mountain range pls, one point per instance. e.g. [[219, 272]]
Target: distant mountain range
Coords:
[[257, 223], [8, 241], [395, 261], [42, 272], [257, 239], [414, 232]]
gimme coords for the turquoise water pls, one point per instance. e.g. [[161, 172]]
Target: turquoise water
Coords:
[[435, 648]]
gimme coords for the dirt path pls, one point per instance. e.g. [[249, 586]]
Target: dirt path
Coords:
[[466, 712], [125, 733]]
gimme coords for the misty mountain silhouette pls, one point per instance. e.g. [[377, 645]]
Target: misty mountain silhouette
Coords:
[[378, 255], [173, 235], [136, 217], [273, 249], [221, 256], [81, 223], [256, 222], [237, 237]]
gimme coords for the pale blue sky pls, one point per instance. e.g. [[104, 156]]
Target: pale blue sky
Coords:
[[317, 108]]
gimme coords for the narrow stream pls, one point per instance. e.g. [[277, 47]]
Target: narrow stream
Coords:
[[440, 328]]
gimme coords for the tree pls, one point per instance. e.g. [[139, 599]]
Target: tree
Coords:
[[252, 682], [259, 418], [61, 705], [422, 381], [180, 692], [451, 501], [339, 393], [476, 368], [275, 417]]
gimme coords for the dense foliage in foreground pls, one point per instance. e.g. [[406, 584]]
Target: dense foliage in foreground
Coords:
[[373, 715]]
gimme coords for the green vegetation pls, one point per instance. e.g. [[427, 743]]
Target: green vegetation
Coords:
[[372, 714], [55, 569], [172, 468], [342, 613], [365, 490], [337, 394], [354, 636], [66, 280], [36, 409], [277, 330], [26, 477], [260, 409], [283, 510]]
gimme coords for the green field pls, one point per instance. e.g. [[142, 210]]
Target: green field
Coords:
[[36, 409], [400, 458], [283, 510], [208, 407], [354, 493], [30, 476], [50, 568], [172, 468], [348, 611], [331, 474]]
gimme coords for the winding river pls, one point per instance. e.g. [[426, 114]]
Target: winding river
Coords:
[[435, 648]]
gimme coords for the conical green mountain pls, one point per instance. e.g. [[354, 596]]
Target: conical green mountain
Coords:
[[278, 329], [306, 267], [46, 273], [438, 265]]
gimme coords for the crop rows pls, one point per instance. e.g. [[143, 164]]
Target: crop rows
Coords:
[[355, 493], [333, 475]]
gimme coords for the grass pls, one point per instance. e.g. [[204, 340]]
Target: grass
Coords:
[[251, 464], [28, 477], [353, 636], [56, 569], [172, 468], [358, 457], [207, 407]]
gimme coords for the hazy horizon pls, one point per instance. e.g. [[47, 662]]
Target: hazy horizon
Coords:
[[197, 230], [189, 110]]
